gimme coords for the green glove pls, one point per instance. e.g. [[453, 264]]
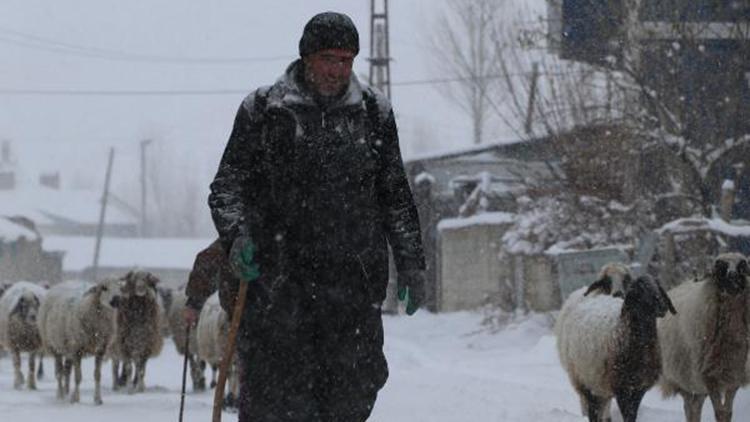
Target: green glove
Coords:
[[411, 289], [241, 259]]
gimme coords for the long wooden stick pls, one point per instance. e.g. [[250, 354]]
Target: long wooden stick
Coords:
[[184, 370], [239, 307]]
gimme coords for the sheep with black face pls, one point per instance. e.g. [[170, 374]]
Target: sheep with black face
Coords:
[[609, 346], [138, 329], [614, 279], [705, 348], [19, 307]]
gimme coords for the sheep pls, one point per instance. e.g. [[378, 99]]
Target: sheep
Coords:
[[211, 333], [77, 320], [609, 346], [178, 328], [166, 297], [138, 329], [614, 279], [19, 308], [705, 348], [3, 288]]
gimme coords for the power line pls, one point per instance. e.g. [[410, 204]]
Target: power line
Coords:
[[122, 93], [35, 42], [234, 91]]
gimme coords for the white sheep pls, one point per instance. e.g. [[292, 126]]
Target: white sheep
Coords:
[[77, 320], [138, 329], [705, 348], [178, 328], [213, 326], [609, 346], [19, 307]]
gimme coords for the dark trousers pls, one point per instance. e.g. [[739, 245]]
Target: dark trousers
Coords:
[[308, 358]]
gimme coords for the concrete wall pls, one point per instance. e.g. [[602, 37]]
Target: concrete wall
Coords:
[[542, 292], [25, 260], [470, 274]]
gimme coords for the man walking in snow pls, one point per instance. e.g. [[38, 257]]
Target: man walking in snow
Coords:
[[310, 189]]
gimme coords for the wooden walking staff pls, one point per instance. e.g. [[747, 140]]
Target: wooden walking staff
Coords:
[[184, 370], [226, 360]]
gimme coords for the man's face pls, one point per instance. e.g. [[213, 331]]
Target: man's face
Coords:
[[328, 71]]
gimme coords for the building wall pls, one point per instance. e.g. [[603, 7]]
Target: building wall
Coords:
[[470, 274], [25, 260]]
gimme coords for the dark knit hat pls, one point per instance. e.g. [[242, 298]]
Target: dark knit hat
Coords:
[[329, 30]]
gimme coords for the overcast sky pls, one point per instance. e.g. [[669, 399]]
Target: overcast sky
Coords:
[[96, 45], [182, 45]]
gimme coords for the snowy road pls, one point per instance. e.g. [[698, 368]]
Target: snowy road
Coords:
[[444, 368]]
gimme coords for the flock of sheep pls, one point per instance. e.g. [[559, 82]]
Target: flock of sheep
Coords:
[[616, 338], [122, 319], [619, 337]]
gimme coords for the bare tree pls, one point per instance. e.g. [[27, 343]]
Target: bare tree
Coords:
[[177, 204], [691, 119], [464, 49]]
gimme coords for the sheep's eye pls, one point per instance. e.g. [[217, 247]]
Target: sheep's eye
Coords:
[[720, 268], [742, 268]]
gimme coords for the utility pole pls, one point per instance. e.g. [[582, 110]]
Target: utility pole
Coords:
[[380, 78], [380, 52], [144, 144], [102, 212], [528, 126]]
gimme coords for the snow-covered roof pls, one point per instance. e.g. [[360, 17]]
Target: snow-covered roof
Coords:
[[172, 253], [687, 225], [45, 205], [488, 218], [11, 232], [560, 249], [453, 152]]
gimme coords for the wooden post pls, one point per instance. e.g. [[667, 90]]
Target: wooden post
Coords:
[[143, 227], [102, 213], [727, 200], [532, 99]]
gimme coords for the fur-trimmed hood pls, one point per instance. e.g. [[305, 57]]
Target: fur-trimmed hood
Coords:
[[289, 90]]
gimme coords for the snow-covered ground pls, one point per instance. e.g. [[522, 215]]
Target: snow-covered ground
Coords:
[[444, 368]]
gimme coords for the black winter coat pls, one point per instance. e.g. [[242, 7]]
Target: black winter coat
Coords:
[[318, 188]]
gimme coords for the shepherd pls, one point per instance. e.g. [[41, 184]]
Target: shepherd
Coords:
[[310, 191]]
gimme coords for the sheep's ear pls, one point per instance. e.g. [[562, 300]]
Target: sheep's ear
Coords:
[[604, 284], [720, 269], [152, 280], [627, 280], [20, 304], [666, 298], [92, 290], [743, 269]]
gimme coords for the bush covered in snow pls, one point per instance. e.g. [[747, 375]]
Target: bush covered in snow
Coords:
[[570, 222]]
